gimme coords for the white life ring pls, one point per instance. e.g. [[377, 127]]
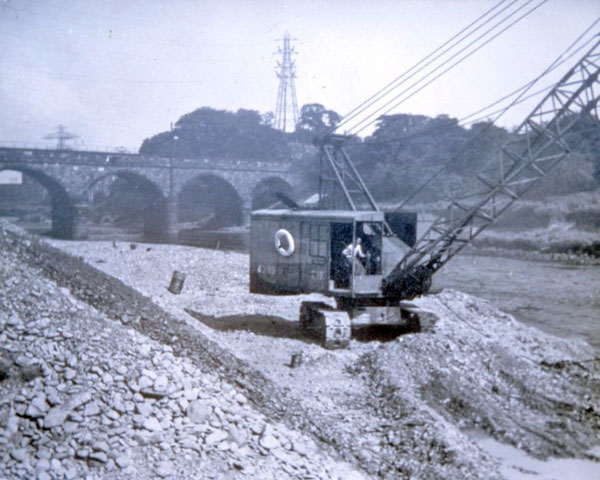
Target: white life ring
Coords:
[[284, 242]]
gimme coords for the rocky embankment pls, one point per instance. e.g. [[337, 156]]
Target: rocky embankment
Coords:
[[135, 381], [86, 396]]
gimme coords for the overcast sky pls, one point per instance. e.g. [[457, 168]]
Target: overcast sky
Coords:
[[118, 71]]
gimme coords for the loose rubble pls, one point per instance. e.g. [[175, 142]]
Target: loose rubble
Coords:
[[87, 397], [140, 401]]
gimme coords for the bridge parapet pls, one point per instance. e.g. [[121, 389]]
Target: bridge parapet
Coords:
[[107, 159], [71, 176]]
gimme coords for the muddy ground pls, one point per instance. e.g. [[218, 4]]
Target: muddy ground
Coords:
[[395, 407]]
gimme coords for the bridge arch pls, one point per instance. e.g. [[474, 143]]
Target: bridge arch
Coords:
[[264, 192], [208, 201], [144, 198], [63, 214]]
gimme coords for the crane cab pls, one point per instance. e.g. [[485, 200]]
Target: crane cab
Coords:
[[302, 251]]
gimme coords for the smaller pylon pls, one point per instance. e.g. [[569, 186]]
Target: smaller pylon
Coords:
[[286, 112], [61, 136]]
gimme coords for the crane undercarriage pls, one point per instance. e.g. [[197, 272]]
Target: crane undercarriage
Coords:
[[333, 327]]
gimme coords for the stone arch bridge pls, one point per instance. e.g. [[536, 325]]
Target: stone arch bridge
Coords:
[[69, 177]]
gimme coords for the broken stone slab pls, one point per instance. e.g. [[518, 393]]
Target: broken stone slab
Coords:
[[101, 446], [154, 394], [269, 442], [123, 460], [183, 404], [79, 399], [238, 435], [37, 407], [161, 383], [57, 415], [190, 442], [91, 409], [144, 382], [144, 409], [68, 427], [165, 469], [199, 411], [12, 422], [216, 436], [43, 475], [107, 379], [71, 473], [112, 414], [52, 396], [98, 457], [300, 448], [42, 464], [14, 320], [19, 454], [152, 424], [71, 361], [151, 374]]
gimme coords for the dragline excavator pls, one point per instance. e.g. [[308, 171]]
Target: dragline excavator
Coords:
[[370, 260]]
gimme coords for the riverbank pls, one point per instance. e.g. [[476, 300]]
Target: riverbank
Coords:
[[401, 408]]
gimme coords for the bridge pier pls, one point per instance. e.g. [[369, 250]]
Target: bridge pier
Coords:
[[172, 226], [80, 228], [246, 210]]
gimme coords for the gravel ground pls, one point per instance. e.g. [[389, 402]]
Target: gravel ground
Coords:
[[380, 409], [84, 396]]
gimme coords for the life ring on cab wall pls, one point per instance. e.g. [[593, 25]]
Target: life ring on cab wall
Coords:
[[284, 242]]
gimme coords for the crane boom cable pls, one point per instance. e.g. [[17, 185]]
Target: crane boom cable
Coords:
[[540, 144], [443, 62], [486, 118], [391, 85], [559, 60], [370, 118], [438, 57]]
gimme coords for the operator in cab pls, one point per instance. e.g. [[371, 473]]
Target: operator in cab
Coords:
[[355, 251]]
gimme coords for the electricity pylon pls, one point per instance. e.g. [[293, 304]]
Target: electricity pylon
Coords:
[[286, 112], [61, 136]]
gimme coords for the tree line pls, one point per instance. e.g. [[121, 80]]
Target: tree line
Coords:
[[396, 159]]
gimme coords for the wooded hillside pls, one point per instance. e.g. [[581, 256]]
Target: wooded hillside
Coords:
[[403, 153]]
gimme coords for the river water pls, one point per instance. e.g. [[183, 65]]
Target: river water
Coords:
[[557, 298]]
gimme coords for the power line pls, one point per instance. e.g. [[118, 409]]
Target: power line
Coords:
[[463, 121], [557, 64], [453, 65], [468, 144], [444, 52], [390, 86]]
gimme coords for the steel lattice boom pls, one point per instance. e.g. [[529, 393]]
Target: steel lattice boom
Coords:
[[538, 145], [340, 184]]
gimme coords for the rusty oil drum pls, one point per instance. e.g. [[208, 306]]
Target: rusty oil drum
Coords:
[[176, 282]]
